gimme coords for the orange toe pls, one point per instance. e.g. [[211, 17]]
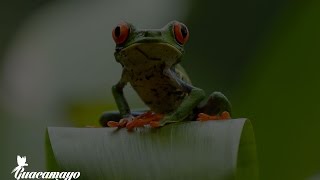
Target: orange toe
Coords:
[[113, 124], [225, 115], [205, 117], [123, 122], [135, 123]]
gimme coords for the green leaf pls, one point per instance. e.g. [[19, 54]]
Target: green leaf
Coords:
[[190, 150]]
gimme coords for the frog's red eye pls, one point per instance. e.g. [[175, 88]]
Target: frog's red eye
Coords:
[[181, 33], [120, 33]]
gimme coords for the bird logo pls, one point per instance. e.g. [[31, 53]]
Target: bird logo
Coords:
[[21, 161]]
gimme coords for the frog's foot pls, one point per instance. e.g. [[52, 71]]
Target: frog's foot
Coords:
[[156, 124], [205, 117], [122, 123], [143, 119]]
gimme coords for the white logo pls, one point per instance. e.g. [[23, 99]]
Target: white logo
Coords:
[[21, 163], [19, 172]]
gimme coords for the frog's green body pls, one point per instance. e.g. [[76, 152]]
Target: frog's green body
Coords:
[[150, 61], [144, 69]]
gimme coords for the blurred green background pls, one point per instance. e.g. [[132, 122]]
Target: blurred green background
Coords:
[[57, 68]]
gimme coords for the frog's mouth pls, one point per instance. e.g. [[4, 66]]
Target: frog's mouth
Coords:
[[142, 54]]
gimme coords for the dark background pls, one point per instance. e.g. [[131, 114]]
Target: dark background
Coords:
[[263, 54]]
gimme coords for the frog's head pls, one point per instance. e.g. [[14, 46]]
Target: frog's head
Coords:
[[142, 48]]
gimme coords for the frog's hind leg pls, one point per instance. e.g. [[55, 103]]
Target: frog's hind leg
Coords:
[[216, 107]]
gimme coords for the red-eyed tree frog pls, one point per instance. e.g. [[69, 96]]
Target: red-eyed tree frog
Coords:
[[150, 60]]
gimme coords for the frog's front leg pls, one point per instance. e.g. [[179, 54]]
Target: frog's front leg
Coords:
[[122, 104], [216, 107]]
